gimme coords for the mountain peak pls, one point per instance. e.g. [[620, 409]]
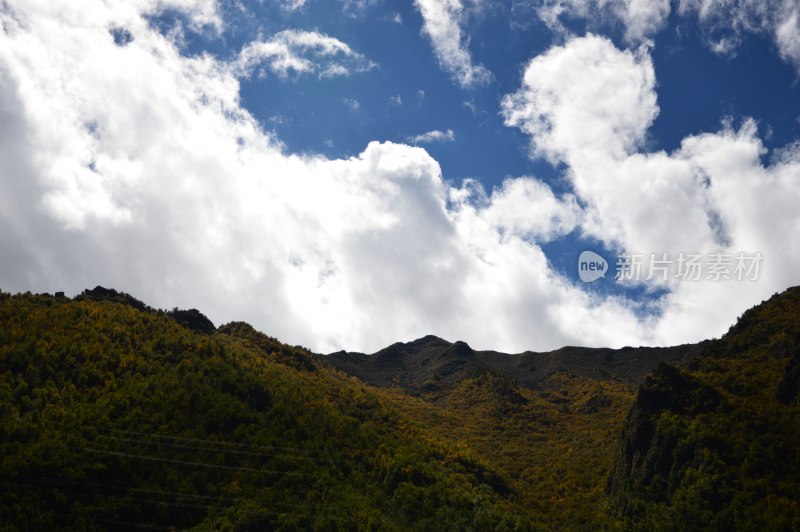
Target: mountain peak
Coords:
[[427, 340], [432, 365]]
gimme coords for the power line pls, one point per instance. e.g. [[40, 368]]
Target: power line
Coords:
[[185, 462], [147, 526], [205, 440], [200, 448], [263, 510], [60, 483]]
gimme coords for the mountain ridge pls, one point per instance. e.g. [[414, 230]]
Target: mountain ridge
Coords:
[[431, 364]]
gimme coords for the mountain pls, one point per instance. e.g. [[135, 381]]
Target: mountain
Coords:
[[716, 445], [547, 421], [432, 365], [116, 415]]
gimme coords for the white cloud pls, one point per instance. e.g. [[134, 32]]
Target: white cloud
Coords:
[[136, 167], [787, 34], [442, 21], [470, 104], [588, 96], [396, 100], [640, 18], [589, 105], [433, 136], [727, 22], [352, 103], [301, 52], [352, 7], [357, 8], [201, 13], [293, 5], [527, 208]]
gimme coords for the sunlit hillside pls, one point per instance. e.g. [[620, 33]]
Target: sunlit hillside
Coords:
[[115, 415]]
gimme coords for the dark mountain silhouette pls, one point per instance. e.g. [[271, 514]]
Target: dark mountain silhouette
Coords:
[[192, 319], [430, 364], [100, 293]]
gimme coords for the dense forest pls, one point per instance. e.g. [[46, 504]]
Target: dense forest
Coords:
[[716, 446], [115, 415]]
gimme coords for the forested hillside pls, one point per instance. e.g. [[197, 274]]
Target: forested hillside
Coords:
[[717, 446], [548, 421], [115, 415]]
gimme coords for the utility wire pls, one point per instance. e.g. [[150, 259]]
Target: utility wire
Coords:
[[205, 440], [185, 462], [201, 448]]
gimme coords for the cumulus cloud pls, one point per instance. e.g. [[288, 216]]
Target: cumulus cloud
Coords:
[[787, 36], [639, 18], [301, 52], [201, 13], [585, 96], [442, 21], [529, 209], [136, 167], [588, 105], [727, 22], [433, 136]]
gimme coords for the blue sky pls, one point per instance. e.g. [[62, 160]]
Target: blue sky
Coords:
[[408, 93], [346, 174], [697, 88]]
